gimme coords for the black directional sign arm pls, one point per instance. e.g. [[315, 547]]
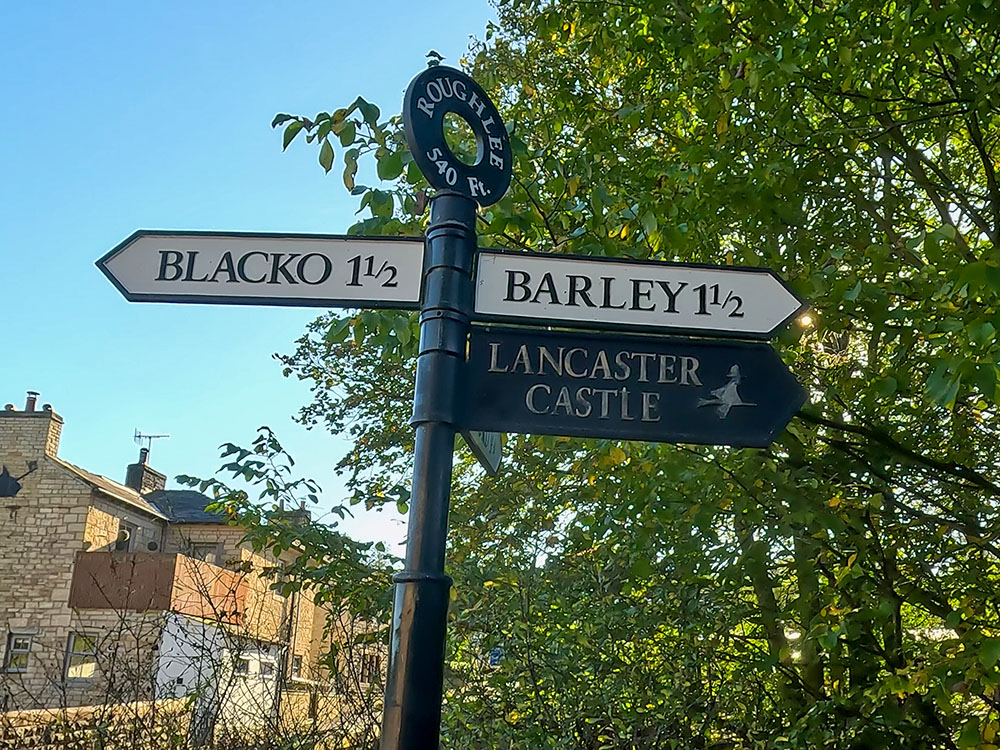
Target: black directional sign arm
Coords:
[[655, 389]]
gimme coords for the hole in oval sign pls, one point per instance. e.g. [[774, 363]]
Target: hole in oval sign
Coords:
[[461, 139]]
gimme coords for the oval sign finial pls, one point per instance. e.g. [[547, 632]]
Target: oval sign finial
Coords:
[[430, 96]]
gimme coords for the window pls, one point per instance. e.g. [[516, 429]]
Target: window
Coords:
[[126, 537], [15, 658], [296, 666], [267, 668], [81, 657], [242, 666], [371, 667], [206, 553]]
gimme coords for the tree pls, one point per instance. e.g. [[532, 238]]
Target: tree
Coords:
[[838, 589]]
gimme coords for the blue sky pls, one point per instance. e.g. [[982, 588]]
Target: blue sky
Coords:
[[123, 115]]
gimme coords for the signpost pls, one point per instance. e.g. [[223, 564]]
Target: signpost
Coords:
[[412, 710], [628, 387], [618, 294], [306, 270], [502, 379]]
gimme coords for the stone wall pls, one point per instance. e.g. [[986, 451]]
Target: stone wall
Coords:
[[41, 530], [104, 521], [132, 726]]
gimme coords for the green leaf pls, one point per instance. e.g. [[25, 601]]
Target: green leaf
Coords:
[[390, 166], [326, 156], [942, 386], [641, 569], [290, 132], [369, 111], [401, 328], [989, 652], [984, 378], [347, 133], [648, 223], [338, 331], [886, 387], [969, 737]]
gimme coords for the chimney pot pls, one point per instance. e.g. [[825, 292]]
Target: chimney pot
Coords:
[[143, 455], [32, 400]]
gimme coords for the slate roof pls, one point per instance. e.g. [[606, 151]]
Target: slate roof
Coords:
[[184, 506], [112, 488]]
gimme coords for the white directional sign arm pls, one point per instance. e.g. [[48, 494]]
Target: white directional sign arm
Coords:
[[591, 292], [267, 269]]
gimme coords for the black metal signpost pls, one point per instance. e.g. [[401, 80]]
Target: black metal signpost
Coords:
[[617, 386], [412, 713]]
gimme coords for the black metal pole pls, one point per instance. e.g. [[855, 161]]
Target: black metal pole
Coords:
[[412, 712]]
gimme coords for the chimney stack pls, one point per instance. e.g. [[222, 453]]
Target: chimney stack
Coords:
[[32, 433], [142, 478]]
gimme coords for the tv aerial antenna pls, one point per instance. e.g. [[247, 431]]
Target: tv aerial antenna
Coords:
[[148, 438]]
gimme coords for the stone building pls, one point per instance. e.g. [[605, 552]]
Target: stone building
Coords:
[[121, 592]]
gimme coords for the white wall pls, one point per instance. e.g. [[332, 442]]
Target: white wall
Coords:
[[202, 660]]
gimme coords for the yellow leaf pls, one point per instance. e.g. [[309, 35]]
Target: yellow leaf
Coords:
[[617, 455], [990, 731], [722, 124], [573, 185], [624, 233], [835, 501], [851, 559]]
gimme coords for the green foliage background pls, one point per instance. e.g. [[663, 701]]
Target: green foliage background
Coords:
[[836, 590]]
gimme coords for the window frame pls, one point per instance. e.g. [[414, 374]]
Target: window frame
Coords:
[[11, 651], [70, 653]]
